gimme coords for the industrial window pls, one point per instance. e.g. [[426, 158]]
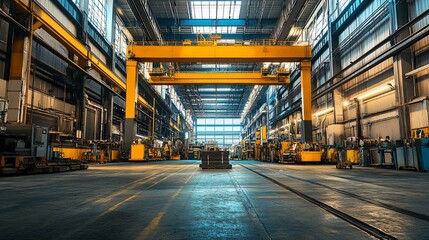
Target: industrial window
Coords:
[[215, 10], [320, 25], [342, 4], [219, 121], [218, 129], [226, 131], [97, 15], [217, 30], [121, 42]]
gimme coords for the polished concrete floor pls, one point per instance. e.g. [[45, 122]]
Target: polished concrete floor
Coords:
[[177, 200]]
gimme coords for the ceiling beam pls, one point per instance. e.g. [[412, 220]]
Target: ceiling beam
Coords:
[[146, 20], [221, 78], [230, 36], [220, 53], [287, 19], [217, 22]]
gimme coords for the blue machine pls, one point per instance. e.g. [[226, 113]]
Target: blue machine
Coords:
[[406, 154], [422, 147], [386, 147]]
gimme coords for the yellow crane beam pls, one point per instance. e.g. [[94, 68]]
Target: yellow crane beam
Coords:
[[227, 54], [62, 35], [219, 78]]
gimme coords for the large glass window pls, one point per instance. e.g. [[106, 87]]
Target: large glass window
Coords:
[[215, 10], [121, 42], [320, 25], [97, 15], [342, 4], [225, 132]]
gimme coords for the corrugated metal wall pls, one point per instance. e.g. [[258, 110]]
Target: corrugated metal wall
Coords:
[[421, 48]]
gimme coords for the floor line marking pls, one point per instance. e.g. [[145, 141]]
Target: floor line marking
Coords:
[[114, 207], [149, 229]]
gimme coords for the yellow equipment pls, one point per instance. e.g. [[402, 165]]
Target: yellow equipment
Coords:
[[311, 156], [289, 151], [420, 132], [211, 40], [154, 153], [310, 152], [330, 155], [167, 151], [187, 42], [353, 156], [137, 152]]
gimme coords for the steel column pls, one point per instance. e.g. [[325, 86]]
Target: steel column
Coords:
[[153, 119], [130, 128], [402, 63], [306, 126], [19, 74]]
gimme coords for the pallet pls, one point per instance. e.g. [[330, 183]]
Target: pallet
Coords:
[[216, 166]]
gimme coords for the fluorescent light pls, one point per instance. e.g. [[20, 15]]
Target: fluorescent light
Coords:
[[328, 110], [378, 90]]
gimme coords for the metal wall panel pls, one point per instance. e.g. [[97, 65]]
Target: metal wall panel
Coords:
[[419, 114], [382, 125], [97, 53], [58, 14], [44, 101], [3, 87]]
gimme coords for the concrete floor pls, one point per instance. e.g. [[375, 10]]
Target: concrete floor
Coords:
[[177, 200]]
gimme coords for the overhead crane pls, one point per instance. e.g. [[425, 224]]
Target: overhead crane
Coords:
[[177, 53], [220, 78]]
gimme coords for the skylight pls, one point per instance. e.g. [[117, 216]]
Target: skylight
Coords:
[[215, 65], [214, 29], [215, 10]]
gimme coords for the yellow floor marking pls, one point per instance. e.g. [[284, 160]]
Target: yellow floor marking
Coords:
[[149, 229], [152, 226], [128, 185], [125, 190], [114, 207]]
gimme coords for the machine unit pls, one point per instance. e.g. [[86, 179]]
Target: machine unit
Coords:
[[422, 149], [24, 140], [137, 151], [213, 158], [406, 155]]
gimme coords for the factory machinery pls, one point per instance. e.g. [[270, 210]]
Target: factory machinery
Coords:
[[31, 148], [413, 154], [25, 148], [297, 152], [281, 150], [144, 149], [214, 158], [410, 153]]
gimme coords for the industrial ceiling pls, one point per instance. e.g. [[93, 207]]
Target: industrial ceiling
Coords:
[[234, 21]]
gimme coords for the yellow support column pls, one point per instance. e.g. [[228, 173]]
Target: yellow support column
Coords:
[[153, 119], [306, 124], [19, 76], [130, 127]]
